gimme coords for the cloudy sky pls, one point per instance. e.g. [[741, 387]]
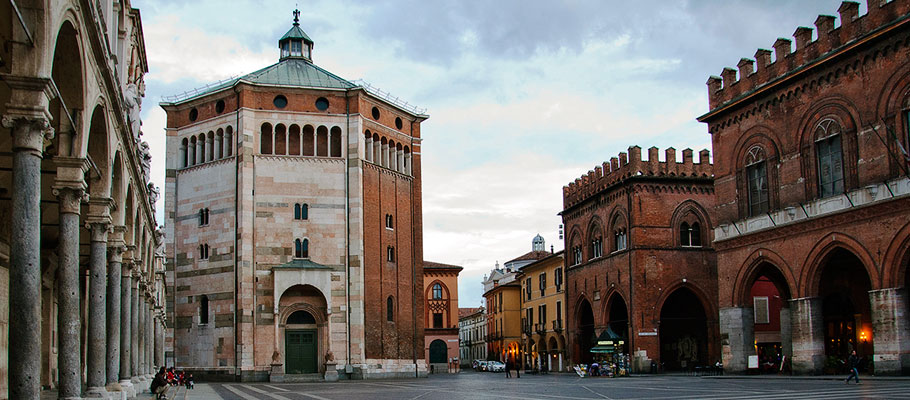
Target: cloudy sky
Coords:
[[523, 96]]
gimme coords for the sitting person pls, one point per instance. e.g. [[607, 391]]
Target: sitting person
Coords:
[[159, 385]]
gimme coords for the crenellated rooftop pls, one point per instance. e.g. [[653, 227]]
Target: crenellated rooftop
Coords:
[[752, 74], [631, 164]]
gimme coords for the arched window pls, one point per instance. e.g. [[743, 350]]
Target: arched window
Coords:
[[620, 240], [219, 144], [191, 152], [210, 147], [265, 139], [830, 158], [301, 211], [757, 181], [596, 244], [297, 211], [229, 142], [281, 140], [322, 141], [336, 142], [204, 310], [389, 221], [294, 140], [302, 248], [309, 141], [390, 254], [390, 309], [183, 153], [202, 217], [368, 146], [437, 291], [200, 149]]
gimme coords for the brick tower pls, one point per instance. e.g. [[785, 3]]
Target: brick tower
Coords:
[[294, 228]]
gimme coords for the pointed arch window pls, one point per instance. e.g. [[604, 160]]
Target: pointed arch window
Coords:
[[597, 247], [830, 158], [204, 251], [302, 248], [690, 234], [757, 181], [437, 291]]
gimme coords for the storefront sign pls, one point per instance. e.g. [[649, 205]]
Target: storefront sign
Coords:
[[647, 333]]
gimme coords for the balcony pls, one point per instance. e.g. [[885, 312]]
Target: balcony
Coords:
[[541, 328], [525, 327], [557, 325]]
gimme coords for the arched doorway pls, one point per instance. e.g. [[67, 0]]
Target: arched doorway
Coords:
[[584, 338], [844, 289], [438, 352], [301, 343], [683, 331], [552, 361], [618, 317], [303, 331], [767, 295]]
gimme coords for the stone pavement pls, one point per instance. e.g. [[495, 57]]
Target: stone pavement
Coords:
[[472, 385]]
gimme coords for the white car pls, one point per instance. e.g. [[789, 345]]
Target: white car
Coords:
[[496, 366]]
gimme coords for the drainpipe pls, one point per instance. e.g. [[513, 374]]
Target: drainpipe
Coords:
[[631, 275], [235, 150], [347, 227]]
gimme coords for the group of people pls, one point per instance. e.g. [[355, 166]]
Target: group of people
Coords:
[[165, 378], [510, 366]]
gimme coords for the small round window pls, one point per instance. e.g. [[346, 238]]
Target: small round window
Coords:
[[280, 101], [398, 123], [219, 106], [194, 113], [375, 113], [322, 104]]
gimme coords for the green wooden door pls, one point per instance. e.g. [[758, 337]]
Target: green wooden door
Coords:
[[300, 348]]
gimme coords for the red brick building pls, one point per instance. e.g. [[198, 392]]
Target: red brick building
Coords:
[[294, 226], [813, 194], [640, 266]]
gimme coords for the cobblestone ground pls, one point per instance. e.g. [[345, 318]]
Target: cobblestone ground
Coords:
[[470, 385]]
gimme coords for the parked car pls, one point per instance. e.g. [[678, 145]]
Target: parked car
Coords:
[[475, 364], [481, 365], [496, 366]]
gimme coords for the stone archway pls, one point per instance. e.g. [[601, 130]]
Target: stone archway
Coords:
[[302, 333], [683, 332], [767, 295], [438, 352], [844, 291], [584, 332]]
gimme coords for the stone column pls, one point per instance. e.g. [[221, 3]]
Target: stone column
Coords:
[[115, 264], [97, 320], [890, 331], [68, 314], [134, 324], [149, 338], [28, 134], [786, 343], [737, 329], [807, 335], [159, 340], [126, 336], [140, 348]]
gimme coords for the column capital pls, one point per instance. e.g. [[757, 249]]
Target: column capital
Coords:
[[29, 131], [99, 229], [115, 252], [70, 198], [99, 208]]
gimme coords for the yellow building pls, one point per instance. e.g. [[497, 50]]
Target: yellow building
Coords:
[[502, 292], [543, 305], [440, 285]]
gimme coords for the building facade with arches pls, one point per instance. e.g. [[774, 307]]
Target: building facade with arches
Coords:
[[639, 263], [311, 191], [813, 196], [543, 303], [441, 314], [81, 309]]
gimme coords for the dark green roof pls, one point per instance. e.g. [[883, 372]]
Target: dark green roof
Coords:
[[296, 33], [288, 72], [302, 263], [297, 72]]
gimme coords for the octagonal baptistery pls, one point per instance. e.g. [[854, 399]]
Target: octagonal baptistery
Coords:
[[294, 226]]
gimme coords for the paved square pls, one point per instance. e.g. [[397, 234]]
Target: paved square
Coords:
[[471, 385]]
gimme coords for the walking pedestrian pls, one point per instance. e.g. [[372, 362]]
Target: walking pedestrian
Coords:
[[508, 367], [853, 364]]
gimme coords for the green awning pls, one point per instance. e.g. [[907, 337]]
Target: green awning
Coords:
[[603, 349]]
